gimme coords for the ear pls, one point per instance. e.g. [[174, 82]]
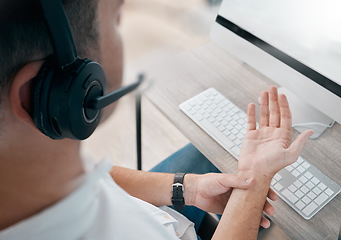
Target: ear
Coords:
[[20, 92]]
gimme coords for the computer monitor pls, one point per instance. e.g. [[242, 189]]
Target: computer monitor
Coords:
[[296, 44]]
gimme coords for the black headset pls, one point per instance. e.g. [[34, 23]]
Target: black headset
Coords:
[[68, 92]]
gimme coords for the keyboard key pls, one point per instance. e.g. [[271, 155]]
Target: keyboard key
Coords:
[[304, 189], [241, 121], [198, 117], [224, 122], [222, 104], [297, 183], [303, 179], [306, 200], [309, 209], [278, 187], [292, 188], [300, 169], [317, 191], [329, 192], [321, 198], [222, 113], [226, 132], [295, 173], [232, 136], [308, 175], [311, 195], [289, 168], [236, 150], [299, 193], [306, 165], [219, 119], [221, 128], [216, 123], [206, 115], [310, 185], [295, 164], [228, 118], [322, 186], [240, 136], [315, 180], [234, 123], [277, 177], [273, 181], [235, 110], [299, 205], [236, 117], [229, 126], [290, 196], [237, 141], [300, 160]]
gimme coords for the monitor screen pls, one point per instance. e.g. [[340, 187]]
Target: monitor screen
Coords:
[[303, 34]]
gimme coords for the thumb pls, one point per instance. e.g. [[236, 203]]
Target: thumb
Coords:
[[236, 181], [298, 145]]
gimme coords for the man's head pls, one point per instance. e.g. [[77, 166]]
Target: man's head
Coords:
[[24, 39]]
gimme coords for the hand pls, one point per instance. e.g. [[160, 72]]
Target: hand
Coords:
[[268, 149], [211, 192]]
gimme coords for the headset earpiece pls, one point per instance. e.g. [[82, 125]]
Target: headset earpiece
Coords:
[[60, 98]]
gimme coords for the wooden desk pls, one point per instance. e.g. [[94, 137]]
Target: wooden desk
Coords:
[[192, 72]]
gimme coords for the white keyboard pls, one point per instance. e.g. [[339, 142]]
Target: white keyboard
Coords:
[[301, 185]]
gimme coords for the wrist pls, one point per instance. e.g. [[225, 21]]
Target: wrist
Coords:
[[258, 176], [255, 167], [190, 189]]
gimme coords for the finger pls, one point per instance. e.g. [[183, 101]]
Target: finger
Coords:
[[272, 195], [274, 119], [251, 117], [235, 181], [264, 109], [286, 119], [265, 223], [269, 209], [297, 146]]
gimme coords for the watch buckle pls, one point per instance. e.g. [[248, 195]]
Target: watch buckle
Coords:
[[178, 185]]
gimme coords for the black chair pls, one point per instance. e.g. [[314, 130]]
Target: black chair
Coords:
[[208, 227]]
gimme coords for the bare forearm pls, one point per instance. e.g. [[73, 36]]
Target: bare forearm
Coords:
[[155, 188], [243, 212]]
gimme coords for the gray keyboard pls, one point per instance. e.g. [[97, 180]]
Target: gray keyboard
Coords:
[[301, 185]]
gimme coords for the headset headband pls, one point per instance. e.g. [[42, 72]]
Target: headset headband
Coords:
[[60, 33]]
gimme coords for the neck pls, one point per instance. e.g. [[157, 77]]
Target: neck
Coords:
[[33, 178]]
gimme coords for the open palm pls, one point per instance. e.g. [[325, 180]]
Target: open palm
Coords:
[[268, 149]]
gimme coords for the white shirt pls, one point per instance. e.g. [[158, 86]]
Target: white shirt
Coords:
[[99, 210]]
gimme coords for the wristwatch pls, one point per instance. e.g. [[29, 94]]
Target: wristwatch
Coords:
[[178, 200]]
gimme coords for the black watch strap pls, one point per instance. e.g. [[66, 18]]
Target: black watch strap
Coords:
[[178, 200]]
